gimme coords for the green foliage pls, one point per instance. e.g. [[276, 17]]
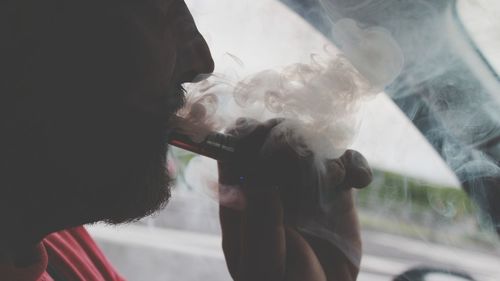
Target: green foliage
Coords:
[[394, 192]]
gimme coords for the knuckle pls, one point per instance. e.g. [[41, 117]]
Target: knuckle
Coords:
[[336, 171], [358, 171]]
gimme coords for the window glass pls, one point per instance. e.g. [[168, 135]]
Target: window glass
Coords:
[[482, 22]]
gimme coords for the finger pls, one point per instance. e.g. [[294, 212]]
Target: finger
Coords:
[[230, 220], [340, 257], [335, 172], [288, 170], [301, 261], [336, 265], [231, 202], [245, 126], [358, 172], [273, 122], [241, 262], [263, 244], [251, 135], [242, 127]]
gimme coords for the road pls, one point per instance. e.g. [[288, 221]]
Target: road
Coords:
[[183, 243]]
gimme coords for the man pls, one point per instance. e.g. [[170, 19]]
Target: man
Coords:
[[87, 89]]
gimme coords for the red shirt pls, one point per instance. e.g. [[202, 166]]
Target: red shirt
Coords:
[[72, 253]]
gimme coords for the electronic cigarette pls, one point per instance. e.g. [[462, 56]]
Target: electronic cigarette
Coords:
[[215, 145]]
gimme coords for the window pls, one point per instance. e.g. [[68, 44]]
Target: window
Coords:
[[481, 22]]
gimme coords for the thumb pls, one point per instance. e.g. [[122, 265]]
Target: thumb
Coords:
[[358, 172]]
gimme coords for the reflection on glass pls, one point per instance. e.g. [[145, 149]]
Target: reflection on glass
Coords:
[[480, 18]]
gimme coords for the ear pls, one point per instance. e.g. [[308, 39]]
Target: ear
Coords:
[[358, 172]]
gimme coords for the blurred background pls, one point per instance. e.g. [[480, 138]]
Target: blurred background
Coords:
[[421, 209]]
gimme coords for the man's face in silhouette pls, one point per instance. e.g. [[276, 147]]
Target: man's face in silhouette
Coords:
[[104, 79], [169, 51]]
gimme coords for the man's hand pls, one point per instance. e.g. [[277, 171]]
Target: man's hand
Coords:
[[261, 240]]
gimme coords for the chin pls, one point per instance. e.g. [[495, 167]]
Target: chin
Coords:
[[129, 179], [137, 199], [137, 207], [144, 190]]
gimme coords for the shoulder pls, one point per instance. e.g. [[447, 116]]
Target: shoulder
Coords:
[[76, 254]]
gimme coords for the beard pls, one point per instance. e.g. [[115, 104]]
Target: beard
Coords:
[[110, 165], [141, 183], [142, 189], [135, 147]]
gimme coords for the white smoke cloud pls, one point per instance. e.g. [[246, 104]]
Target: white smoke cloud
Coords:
[[323, 96], [372, 51]]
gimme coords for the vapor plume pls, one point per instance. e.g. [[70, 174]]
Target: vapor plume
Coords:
[[320, 101], [325, 93]]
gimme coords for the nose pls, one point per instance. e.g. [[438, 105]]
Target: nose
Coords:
[[194, 58]]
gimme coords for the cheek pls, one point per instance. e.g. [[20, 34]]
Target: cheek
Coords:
[[157, 64], [161, 60], [166, 51]]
